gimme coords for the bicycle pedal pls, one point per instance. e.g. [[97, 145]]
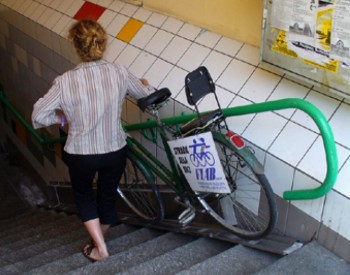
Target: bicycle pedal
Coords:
[[186, 216]]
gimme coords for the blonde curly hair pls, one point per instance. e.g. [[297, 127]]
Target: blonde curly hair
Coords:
[[89, 39]]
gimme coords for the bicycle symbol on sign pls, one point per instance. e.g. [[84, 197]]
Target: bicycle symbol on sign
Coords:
[[201, 158]]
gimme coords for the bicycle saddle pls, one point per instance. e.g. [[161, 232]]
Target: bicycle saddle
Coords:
[[155, 98], [201, 122]]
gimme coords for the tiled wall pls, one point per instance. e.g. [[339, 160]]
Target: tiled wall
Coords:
[[163, 50]]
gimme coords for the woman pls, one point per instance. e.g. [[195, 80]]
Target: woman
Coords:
[[90, 97]]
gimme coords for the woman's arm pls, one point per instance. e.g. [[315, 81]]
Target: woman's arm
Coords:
[[47, 110]]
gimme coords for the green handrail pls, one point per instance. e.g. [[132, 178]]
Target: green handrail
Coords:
[[295, 103]]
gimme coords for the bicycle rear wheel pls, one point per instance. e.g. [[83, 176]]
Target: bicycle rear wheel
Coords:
[[249, 211], [140, 192]]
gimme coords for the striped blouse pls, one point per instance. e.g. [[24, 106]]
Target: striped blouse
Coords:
[[91, 97]]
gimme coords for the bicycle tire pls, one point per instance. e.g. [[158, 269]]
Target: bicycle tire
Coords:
[[139, 191], [249, 211]]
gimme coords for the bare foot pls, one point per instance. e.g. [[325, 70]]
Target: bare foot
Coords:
[[94, 254]]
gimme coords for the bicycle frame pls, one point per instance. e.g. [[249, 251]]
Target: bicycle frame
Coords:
[[171, 177]]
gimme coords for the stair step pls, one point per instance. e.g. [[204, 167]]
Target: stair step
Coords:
[[37, 232], [72, 242], [77, 259], [181, 258], [28, 225], [22, 249], [25, 220], [130, 257], [237, 260], [311, 259]]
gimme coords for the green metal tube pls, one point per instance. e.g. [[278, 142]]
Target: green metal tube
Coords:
[[325, 131]]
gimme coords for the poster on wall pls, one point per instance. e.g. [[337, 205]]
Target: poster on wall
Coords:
[[314, 35], [199, 161]]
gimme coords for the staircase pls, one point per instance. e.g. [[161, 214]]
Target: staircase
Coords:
[[41, 241]]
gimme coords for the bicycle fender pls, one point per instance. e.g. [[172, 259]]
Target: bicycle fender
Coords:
[[244, 152]]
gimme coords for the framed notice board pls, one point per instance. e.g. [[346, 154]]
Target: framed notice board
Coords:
[[309, 39]]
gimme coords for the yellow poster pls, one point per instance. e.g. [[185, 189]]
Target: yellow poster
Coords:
[[280, 45]]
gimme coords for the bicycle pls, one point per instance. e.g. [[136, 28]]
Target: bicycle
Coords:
[[247, 209]]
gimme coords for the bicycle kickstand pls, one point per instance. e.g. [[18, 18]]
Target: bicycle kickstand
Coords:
[[188, 214]]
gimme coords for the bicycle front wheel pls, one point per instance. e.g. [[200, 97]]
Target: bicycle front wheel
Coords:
[[249, 211], [139, 191]]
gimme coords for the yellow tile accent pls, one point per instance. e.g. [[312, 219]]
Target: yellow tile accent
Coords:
[[129, 30]]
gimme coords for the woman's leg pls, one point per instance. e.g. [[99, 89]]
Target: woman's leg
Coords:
[[108, 180], [99, 252], [82, 171]]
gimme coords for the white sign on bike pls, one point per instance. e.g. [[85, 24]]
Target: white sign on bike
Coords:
[[198, 158]]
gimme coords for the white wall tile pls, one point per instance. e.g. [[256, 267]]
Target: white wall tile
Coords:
[[259, 86], [64, 6], [325, 104], [128, 9], [175, 49], [156, 19], [172, 25], [292, 144], [193, 57], [128, 55], [216, 63], [114, 48], [314, 207], [158, 42], [45, 16], [239, 123], [288, 89], [106, 18], [53, 20], [116, 5], [314, 163], [104, 3], [142, 14], [342, 184], [63, 25], [142, 63], [189, 31], [35, 11], [175, 80], [117, 24], [264, 128], [209, 102], [143, 36], [228, 46], [157, 73], [54, 4], [208, 38], [336, 213], [73, 9], [23, 7], [340, 125], [279, 174], [235, 76]]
